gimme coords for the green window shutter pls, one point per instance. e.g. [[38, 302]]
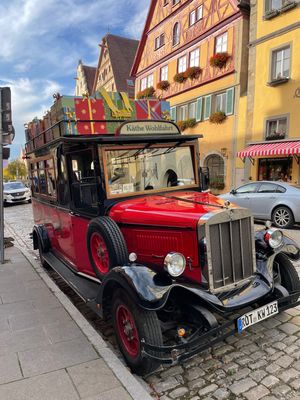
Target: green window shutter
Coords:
[[230, 101], [207, 110], [173, 113], [199, 109]]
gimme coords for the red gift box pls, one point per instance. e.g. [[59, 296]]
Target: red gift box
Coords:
[[148, 109], [89, 109]]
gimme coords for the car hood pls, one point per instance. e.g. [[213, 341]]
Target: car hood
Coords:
[[12, 191], [171, 209]]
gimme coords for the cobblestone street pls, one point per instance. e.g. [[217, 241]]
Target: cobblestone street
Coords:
[[263, 363]]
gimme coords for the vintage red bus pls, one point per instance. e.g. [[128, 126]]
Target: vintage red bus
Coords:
[[122, 218]]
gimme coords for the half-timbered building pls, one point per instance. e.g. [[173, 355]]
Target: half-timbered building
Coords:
[[194, 54]]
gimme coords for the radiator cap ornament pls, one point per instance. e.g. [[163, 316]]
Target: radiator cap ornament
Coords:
[[227, 204]]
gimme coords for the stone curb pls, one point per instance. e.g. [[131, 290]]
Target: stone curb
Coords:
[[128, 380]]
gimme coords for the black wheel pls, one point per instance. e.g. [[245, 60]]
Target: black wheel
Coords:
[[106, 245], [131, 324], [283, 217], [29, 201], [287, 275], [41, 252]]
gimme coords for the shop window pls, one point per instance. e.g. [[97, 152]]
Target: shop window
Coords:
[[281, 60], [195, 58], [176, 34], [181, 67], [275, 169], [221, 43], [164, 72], [276, 128]]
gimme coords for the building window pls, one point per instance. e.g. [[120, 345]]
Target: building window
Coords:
[[195, 58], [182, 64], [221, 43], [147, 82], [281, 60], [199, 13], [183, 112], [174, 2], [192, 110], [276, 128], [220, 102], [192, 17], [164, 72], [176, 34], [159, 41], [271, 5]]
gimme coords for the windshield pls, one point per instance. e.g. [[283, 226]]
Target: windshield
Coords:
[[134, 170], [14, 185]]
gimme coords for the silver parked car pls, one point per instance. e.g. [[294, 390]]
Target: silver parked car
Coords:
[[15, 192], [278, 201]]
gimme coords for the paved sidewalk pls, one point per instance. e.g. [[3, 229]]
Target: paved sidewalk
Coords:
[[44, 354]]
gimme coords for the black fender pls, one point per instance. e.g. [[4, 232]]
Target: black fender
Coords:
[[152, 290], [40, 234]]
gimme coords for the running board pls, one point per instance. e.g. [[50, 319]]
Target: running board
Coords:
[[85, 288]]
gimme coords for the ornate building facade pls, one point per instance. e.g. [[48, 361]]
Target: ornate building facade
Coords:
[[194, 54], [273, 134], [84, 79], [116, 58]]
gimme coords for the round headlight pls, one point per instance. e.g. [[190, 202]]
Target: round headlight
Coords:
[[274, 238], [175, 264]]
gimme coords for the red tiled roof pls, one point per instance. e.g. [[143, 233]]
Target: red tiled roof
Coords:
[[121, 52]]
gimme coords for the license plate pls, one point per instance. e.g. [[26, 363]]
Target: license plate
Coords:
[[255, 316]]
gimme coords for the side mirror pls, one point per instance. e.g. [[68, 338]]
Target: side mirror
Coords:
[[233, 191]]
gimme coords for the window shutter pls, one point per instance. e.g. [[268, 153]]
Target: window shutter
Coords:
[[230, 101], [199, 109], [173, 113], [207, 110]]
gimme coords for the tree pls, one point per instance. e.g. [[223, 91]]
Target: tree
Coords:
[[16, 170]]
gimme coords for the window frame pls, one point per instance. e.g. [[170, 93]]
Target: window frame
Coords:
[[273, 62], [197, 64], [35, 162], [164, 67], [179, 65], [159, 41], [176, 25], [276, 118], [221, 36]]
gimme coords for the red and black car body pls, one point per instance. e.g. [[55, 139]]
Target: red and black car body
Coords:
[[173, 264]]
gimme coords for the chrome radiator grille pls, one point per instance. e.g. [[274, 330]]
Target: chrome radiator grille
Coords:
[[230, 249]]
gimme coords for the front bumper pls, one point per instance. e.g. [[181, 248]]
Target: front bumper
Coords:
[[201, 341], [12, 200]]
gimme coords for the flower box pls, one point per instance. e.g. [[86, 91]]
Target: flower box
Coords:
[[180, 77], [276, 136], [217, 117], [163, 85], [146, 93], [219, 60], [188, 123], [193, 73]]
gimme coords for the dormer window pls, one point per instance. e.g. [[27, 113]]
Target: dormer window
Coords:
[[176, 34]]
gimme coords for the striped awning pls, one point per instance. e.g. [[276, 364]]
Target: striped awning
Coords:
[[271, 149]]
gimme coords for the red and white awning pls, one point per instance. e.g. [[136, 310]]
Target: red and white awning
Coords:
[[271, 149]]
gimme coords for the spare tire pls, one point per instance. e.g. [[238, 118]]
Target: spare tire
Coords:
[[106, 246]]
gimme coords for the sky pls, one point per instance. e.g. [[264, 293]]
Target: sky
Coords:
[[42, 42]]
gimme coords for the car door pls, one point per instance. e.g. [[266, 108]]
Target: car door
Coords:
[[261, 203], [243, 195]]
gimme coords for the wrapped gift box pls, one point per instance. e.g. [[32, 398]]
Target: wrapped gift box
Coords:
[[61, 115], [90, 110]]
